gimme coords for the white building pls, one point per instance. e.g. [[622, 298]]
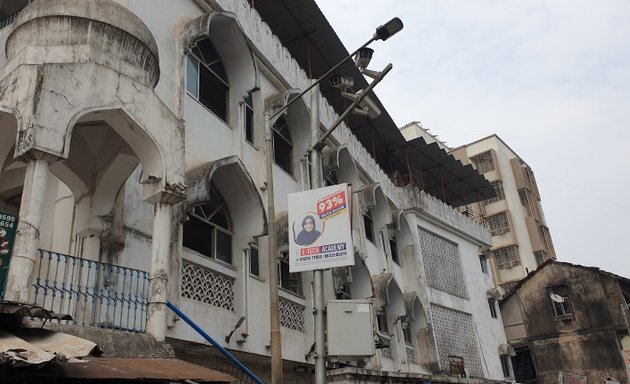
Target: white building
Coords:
[[521, 240], [135, 160]]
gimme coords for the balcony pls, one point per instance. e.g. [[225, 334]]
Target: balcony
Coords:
[[93, 293]]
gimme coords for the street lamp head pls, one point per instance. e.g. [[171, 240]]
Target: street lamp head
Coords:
[[388, 29]]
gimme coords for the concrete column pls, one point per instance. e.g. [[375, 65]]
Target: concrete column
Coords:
[[19, 280], [156, 311]]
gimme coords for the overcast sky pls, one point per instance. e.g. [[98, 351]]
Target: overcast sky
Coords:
[[550, 77]]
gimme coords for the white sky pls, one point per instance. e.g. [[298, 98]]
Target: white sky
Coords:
[[550, 77]]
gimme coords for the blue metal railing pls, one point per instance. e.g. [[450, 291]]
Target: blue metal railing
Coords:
[[93, 293]]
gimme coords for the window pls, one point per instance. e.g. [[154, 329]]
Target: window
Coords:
[[208, 229], [505, 366], [282, 145], [406, 328], [393, 246], [206, 79], [524, 196], [498, 189], [507, 257], [343, 292], [540, 256], [248, 119], [254, 266], [369, 226], [484, 264], [381, 321], [498, 224], [291, 282], [559, 296], [483, 162], [493, 308]]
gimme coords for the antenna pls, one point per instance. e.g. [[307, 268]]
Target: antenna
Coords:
[[556, 298]]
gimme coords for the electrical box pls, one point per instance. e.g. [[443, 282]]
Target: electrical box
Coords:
[[349, 329]]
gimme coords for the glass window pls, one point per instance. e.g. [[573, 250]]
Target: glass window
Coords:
[[484, 264], [290, 281], [381, 321], [369, 226], [393, 246], [254, 266], [208, 231], [561, 302], [206, 78], [493, 309], [282, 145], [248, 119], [505, 366]]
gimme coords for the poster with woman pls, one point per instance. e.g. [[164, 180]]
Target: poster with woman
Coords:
[[320, 236]]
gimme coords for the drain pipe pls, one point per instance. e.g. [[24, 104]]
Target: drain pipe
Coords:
[[224, 351]]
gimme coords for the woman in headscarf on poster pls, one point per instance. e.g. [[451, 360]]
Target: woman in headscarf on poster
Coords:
[[309, 234]]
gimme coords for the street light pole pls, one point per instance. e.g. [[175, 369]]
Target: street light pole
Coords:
[[383, 32]]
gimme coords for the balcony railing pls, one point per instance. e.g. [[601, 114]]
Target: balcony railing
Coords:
[[93, 293], [5, 22]]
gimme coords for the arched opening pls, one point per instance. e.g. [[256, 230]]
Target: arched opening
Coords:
[[209, 230]]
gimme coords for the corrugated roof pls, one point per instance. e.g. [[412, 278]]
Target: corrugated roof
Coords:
[[306, 33]]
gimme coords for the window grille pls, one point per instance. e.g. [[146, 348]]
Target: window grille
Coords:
[[483, 162], [498, 189], [204, 285], [524, 196], [411, 354], [206, 78], [442, 264], [507, 257], [498, 224]]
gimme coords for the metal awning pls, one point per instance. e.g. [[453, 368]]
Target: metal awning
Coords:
[[306, 33]]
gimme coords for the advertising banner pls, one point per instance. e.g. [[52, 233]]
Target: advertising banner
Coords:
[[320, 236], [8, 226]]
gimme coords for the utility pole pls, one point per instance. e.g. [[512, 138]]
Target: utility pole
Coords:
[[383, 32]]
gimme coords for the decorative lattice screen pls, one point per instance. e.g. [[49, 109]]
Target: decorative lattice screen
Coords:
[[291, 315], [455, 335], [207, 286], [442, 264]]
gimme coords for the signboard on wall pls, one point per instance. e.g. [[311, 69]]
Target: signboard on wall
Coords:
[[8, 227], [320, 236], [570, 378]]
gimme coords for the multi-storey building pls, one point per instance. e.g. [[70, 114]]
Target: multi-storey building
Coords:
[[134, 160], [520, 237], [569, 323]]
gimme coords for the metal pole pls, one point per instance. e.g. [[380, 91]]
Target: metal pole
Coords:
[[272, 233], [318, 274]]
